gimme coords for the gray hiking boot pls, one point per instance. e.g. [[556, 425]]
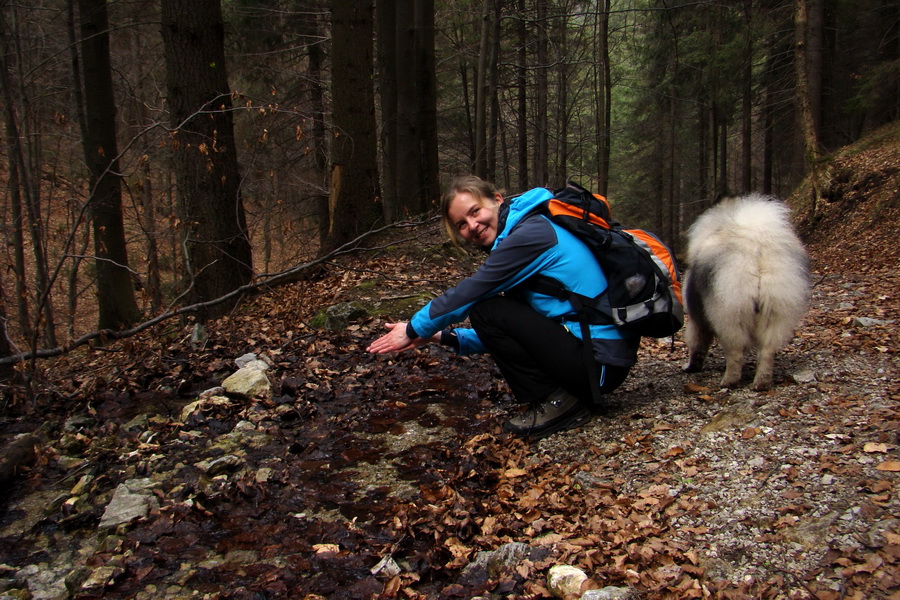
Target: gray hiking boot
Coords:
[[559, 411]]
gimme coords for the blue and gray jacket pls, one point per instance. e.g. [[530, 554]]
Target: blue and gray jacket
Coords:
[[528, 244]]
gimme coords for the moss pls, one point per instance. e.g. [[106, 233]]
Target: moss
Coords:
[[399, 308], [367, 285], [319, 320]]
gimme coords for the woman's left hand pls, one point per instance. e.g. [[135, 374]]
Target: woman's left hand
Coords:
[[395, 340]]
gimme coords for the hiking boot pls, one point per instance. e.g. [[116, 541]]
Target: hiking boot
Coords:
[[559, 411]]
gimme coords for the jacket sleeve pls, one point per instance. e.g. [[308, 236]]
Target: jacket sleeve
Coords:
[[524, 252], [469, 342]]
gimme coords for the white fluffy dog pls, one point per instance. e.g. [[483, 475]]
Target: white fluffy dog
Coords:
[[747, 284]]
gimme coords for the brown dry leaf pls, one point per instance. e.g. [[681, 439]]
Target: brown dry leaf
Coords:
[[672, 452], [877, 447], [890, 465], [513, 473], [693, 388], [326, 548]]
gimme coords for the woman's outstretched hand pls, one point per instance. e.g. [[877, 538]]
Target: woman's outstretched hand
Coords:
[[396, 340]]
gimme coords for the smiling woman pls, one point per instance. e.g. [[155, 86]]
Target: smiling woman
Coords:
[[534, 338], [471, 211]]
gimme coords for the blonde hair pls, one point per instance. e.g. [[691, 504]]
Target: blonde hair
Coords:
[[480, 189]]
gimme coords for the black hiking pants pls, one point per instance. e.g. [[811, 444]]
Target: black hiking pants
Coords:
[[535, 354]]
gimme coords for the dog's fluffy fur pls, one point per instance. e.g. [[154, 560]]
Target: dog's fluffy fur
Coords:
[[747, 284]]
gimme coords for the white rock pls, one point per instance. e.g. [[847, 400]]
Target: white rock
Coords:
[[804, 376], [249, 382], [610, 593], [242, 361], [101, 577], [565, 580], [386, 568], [130, 502]]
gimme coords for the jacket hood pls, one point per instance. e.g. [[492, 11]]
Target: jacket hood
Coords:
[[519, 207]]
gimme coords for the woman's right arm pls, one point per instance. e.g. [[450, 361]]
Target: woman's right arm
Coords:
[[522, 254]]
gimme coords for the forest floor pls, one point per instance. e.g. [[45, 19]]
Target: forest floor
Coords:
[[675, 489]]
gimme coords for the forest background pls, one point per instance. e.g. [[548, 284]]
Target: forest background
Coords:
[[164, 158]]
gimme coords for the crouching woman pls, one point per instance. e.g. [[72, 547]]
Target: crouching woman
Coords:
[[535, 339]]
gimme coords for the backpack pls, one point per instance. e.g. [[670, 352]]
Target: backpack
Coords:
[[643, 295]]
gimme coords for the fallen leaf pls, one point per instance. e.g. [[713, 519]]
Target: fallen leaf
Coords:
[[749, 433], [326, 548], [693, 388], [676, 451], [877, 447], [513, 473], [890, 465]]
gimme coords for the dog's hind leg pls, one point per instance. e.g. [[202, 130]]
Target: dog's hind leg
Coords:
[[765, 365], [772, 333], [699, 339], [734, 363]]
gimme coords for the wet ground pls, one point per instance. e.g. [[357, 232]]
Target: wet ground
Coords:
[[309, 509]]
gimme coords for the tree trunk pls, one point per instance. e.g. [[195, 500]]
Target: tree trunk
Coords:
[[407, 154], [6, 346], [410, 102], [117, 308], [541, 158], [481, 92], [388, 73], [806, 97], [216, 245], [604, 99], [562, 102], [18, 235], [768, 110], [26, 197], [747, 103], [312, 35], [354, 174], [522, 97], [493, 94], [429, 188]]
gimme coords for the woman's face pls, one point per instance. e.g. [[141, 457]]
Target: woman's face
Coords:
[[475, 218]]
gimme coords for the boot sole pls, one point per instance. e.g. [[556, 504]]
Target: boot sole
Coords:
[[580, 418]]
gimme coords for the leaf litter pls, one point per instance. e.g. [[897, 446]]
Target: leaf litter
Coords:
[[385, 477]]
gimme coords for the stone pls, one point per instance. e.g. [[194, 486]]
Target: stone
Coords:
[[199, 336], [738, 415], [78, 422], [242, 361], [43, 582], [192, 411], [138, 423], [565, 580], [610, 593], [213, 391], [804, 376], [386, 568], [490, 564], [248, 382], [223, 464], [870, 322], [100, 578], [131, 501], [338, 316]]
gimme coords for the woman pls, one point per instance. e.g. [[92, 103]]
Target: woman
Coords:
[[535, 339]]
